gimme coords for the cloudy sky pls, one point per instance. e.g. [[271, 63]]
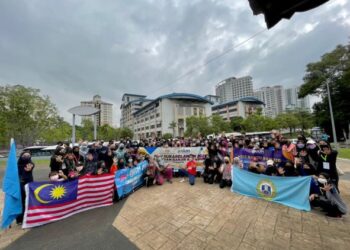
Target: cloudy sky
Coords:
[[74, 49]]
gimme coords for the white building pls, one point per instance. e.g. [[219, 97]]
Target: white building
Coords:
[[292, 101], [155, 118], [213, 98], [234, 88], [105, 116], [242, 107], [273, 97], [130, 104]]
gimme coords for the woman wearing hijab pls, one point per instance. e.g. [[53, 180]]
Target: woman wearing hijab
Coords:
[[25, 172]]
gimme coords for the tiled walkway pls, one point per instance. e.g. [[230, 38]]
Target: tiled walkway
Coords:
[[205, 217]]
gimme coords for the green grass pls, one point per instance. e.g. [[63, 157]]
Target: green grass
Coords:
[[41, 163], [344, 153]]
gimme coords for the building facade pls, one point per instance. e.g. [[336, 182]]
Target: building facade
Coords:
[[273, 97], [242, 107], [213, 98], [167, 114], [234, 88], [105, 116], [292, 101], [130, 104]]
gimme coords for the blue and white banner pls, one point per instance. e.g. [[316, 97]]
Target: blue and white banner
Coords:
[[128, 179], [289, 191]]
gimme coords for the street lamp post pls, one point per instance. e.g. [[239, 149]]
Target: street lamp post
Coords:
[[332, 118], [83, 111]]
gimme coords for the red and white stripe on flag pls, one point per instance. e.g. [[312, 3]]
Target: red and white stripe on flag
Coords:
[[93, 192]]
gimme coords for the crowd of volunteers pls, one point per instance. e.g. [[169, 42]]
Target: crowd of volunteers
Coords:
[[309, 158]]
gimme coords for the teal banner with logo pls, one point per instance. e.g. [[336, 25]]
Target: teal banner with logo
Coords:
[[289, 191]]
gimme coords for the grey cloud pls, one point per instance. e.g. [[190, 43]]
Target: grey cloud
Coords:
[[75, 49]]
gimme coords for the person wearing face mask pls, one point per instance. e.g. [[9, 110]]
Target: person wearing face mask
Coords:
[[77, 156], [190, 171], [208, 174], [327, 163], [120, 153], [90, 165], [56, 161], [328, 197], [226, 180], [303, 164], [25, 173]]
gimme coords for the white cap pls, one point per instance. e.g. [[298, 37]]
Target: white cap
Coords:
[[270, 163], [310, 142]]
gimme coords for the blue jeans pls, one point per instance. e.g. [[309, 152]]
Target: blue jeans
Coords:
[[191, 178]]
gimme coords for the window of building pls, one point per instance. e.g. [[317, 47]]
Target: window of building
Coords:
[[195, 111], [159, 125], [147, 127], [188, 111], [201, 111], [157, 115], [152, 126]]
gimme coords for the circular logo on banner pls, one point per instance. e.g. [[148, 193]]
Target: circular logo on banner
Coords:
[[266, 189]]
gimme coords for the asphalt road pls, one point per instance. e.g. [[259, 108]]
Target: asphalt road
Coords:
[[87, 230]]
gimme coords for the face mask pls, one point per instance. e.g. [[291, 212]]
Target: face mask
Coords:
[[300, 145], [79, 168], [322, 181], [54, 177], [311, 146]]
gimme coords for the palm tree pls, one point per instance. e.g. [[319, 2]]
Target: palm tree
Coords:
[[172, 126]]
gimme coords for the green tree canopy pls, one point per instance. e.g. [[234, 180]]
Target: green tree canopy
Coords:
[[25, 114], [334, 68]]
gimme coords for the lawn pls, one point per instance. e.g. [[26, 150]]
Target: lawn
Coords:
[[344, 153], [39, 162]]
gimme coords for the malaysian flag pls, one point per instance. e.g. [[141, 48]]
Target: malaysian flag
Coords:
[[51, 201]]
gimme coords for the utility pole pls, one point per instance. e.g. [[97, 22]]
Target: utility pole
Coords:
[[332, 118]]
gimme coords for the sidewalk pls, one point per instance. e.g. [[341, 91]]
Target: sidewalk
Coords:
[[180, 216], [12, 234]]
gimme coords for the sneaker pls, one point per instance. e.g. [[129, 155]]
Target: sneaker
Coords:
[[334, 216], [182, 180]]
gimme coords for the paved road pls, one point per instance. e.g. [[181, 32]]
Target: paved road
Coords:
[[88, 230]]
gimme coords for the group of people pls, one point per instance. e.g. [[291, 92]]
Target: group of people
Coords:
[[308, 158]]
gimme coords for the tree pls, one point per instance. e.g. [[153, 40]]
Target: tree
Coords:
[[334, 68], [236, 124], [125, 133], [86, 130], [218, 124], [196, 125], [107, 132], [172, 126], [257, 122], [62, 130], [25, 114], [288, 121], [305, 119], [167, 136]]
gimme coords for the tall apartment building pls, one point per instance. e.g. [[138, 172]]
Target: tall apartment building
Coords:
[[105, 116], [292, 101], [234, 88], [273, 97]]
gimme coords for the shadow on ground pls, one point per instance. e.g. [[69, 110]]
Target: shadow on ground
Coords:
[[88, 230]]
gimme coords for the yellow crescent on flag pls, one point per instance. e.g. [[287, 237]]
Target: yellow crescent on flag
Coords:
[[37, 191]]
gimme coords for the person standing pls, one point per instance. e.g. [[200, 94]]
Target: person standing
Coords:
[[190, 171], [25, 172], [327, 163], [225, 169]]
